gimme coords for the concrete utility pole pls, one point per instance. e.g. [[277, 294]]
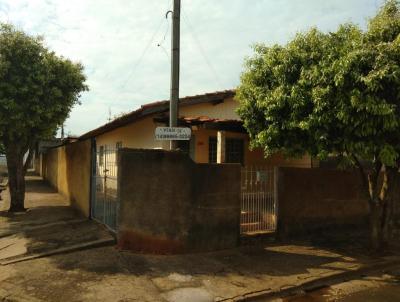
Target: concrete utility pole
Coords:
[[175, 56]]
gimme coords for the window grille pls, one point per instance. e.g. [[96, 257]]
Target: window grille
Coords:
[[212, 150], [234, 150]]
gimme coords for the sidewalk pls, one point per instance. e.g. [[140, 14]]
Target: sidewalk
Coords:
[[106, 274], [49, 226]]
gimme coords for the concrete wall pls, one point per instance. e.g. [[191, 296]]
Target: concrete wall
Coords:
[[317, 199], [67, 168], [169, 204]]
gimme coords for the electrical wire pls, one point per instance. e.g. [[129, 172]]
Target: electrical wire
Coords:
[[136, 65], [160, 44], [201, 49], [139, 60]]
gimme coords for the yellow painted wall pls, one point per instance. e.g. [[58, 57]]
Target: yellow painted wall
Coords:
[[136, 135], [67, 168], [225, 110], [251, 157], [141, 135]]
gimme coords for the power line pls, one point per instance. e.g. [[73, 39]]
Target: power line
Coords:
[[168, 8], [166, 32], [160, 44], [139, 60], [165, 51], [201, 49]]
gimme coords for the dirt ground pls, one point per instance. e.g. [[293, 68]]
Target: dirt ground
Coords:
[[107, 274]]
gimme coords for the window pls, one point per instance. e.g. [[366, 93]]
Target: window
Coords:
[[118, 146], [234, 149], [101, 156], [212, 150], [188, 147], [184, 146]]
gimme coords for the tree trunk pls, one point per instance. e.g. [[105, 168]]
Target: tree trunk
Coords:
[[382, 209], [381, 187], [376, 235], [16, 178], [393, 197]]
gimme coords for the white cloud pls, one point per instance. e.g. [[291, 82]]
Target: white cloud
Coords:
[[109, 37]]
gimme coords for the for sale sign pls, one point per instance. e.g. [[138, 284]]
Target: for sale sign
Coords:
[[173, 134]]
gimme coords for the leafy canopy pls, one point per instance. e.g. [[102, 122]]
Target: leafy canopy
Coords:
[[37, 88], [325, 93]]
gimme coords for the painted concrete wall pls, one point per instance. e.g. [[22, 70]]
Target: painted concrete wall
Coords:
[[251, 157], [136, 135], [67, 168], [169, 204], [311, 200], [141, 133], [225, 110]]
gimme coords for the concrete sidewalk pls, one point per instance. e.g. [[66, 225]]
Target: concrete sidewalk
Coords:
[[105, 274], [38, 194], [49, 226]]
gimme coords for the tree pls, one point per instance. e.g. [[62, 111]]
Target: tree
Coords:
[[37, 91], [334, 93]]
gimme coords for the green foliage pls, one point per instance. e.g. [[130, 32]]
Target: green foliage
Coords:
[[325, 93], [37, 88]]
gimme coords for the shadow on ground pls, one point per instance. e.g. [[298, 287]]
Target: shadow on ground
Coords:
[[107, 274], [48, 225]]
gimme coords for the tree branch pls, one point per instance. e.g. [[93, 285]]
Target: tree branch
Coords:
[[28, 159], [375, 179], [364, 177]]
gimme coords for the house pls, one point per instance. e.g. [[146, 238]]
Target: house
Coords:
[[160, 201], [87, 172], [218, 135], [45, 144]]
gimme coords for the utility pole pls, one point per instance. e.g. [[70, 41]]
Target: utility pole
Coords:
[[175, 56], [62, 131]]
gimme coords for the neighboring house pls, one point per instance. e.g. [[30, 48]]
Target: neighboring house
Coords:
[[218, 135], [42, 146]]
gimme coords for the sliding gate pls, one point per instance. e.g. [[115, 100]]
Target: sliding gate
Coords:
[[105, 186], [258, 200]]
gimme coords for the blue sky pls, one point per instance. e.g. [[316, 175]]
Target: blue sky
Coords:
[[117, 41]]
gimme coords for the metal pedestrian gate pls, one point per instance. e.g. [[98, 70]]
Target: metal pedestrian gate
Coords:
[[258, 200], [105, 186]]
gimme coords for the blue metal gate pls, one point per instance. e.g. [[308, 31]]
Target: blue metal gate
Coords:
[[105, 186]]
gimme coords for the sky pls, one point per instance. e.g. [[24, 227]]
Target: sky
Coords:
[[117, 42]]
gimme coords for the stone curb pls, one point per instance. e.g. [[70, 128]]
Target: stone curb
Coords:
[[65, 250], [42, 226], [313, 284]]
